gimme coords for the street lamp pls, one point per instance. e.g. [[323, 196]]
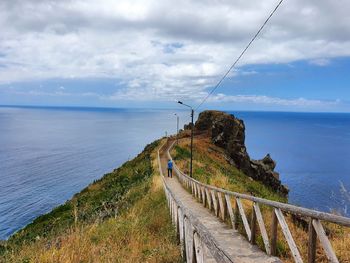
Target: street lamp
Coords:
[[192, 126], [177, 129]]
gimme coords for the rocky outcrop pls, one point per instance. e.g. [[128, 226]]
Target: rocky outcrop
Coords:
[[228, 132]]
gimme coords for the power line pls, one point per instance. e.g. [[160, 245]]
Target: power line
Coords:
[[241, 55]]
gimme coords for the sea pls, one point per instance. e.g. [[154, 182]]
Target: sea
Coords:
[[47, 154]]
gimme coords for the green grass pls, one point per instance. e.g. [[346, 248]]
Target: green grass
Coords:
[[206, 169], [181, 153]]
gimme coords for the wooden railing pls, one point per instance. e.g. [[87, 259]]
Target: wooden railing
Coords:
[[220, 202], [196, 241]]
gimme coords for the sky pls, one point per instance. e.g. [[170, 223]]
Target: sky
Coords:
[[152, 53]]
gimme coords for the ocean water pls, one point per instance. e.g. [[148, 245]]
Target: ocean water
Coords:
[[312, 151], [49, 154]]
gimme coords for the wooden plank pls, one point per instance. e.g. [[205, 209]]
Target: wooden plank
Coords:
[[199, 249], [222, 207], [172, 211], [274, 233], [293, 247], [176, 217], [236, 213], [205, 201], [199, 193], [189, 240], [262, 228], [195, 191], [244, 218], [209, 201], [311, 243], [215, 202], [230, 210], [181, 231], [327, 247], [253, 226], [203, 196]]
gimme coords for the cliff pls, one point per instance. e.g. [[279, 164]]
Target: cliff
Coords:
[[228, 132]]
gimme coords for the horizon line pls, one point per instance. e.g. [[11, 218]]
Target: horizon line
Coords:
[[150, 108]]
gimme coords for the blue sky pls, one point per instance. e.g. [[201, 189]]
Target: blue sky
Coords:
[[140, 54]]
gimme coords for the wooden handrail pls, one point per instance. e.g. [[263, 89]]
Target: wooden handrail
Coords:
[[212, 196], [297, 210]]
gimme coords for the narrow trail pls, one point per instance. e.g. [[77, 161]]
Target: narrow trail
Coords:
[[232, 242]]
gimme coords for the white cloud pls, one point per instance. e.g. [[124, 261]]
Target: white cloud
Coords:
[[163, 49]]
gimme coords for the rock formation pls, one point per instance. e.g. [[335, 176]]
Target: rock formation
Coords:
[[228, 132]]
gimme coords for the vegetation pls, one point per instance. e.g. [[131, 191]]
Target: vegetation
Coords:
[[122, 217], [211, 167]]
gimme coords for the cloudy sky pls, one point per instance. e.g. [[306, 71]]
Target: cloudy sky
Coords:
[[150, 53]]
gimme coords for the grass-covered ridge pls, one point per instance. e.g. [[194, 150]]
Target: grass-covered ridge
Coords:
[[211, 167], [122, 217]]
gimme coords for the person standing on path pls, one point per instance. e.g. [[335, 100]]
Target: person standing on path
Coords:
[[170, 168]]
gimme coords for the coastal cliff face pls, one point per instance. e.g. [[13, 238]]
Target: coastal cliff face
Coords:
[[228, 132]]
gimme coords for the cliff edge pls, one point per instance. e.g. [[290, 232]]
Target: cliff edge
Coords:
[[228, 132]]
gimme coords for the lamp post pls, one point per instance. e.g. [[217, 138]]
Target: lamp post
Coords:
[[192, 126], [177, 129]]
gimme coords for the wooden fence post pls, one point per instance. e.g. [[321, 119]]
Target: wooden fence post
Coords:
[[236, 212], [181, 231], [209, 202], [230, 211], [189, 241], [274, 233], [199, 249], [253, 226], [311, 257], [222, 207], [327, 247], [262, 228]]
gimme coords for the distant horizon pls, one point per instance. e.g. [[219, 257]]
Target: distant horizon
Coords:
[[150, 108]]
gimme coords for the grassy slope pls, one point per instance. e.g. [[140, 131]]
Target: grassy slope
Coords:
[[210, 166], [120, 218]]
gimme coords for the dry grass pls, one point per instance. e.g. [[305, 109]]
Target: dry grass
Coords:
[[143, 233], [210, 167]]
